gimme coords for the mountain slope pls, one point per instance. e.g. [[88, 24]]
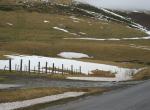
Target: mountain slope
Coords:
[[46, 28]]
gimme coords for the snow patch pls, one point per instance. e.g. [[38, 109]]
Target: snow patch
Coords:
[[10, 24], [26, 103], [94, 39], [7, 86], [66, 31], [72, 55], [45, 21], [140, 47], [60, 29], [82, 33], [110, 39], [148, 32], [86, 67], [98, 78]]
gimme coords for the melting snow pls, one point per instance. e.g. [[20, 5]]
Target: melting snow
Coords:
[[64, 30], [45, 21], [26, 103], [87, 67], [140, 47], [122, 78], [72, 55], [148, 32], [110, 39], [112, 13], [10, 24], [6, 86], [82, 33]]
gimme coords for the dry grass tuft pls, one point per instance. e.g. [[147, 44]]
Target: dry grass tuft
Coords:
[[99, 73]]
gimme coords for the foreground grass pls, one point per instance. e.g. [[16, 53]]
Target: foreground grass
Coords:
[[25, 94]]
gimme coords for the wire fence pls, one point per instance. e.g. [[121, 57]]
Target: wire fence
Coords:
[[38, 68]]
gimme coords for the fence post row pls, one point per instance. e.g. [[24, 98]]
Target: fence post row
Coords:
[[39, 66], [21, 65], [62, 69], [54, 69], [10, 65], [46, 67], [29, 66]]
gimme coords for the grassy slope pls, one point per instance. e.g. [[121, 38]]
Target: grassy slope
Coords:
[[30, 35], [30, 26]]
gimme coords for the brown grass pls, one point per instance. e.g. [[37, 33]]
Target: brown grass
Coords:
[[99, 73], [104, 51], [26, 26], [34, 75], [143, 74], [30, 35], [25, 94]]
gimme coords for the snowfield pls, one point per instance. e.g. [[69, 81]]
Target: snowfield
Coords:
[[71, 55], [26, 103], [86, 67]]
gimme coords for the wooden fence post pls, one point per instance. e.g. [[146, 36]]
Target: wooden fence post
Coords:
[[62, 69], [21, 65], [46, 67], [9, 65], [53, 68], [29, 66], [39, 66]]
